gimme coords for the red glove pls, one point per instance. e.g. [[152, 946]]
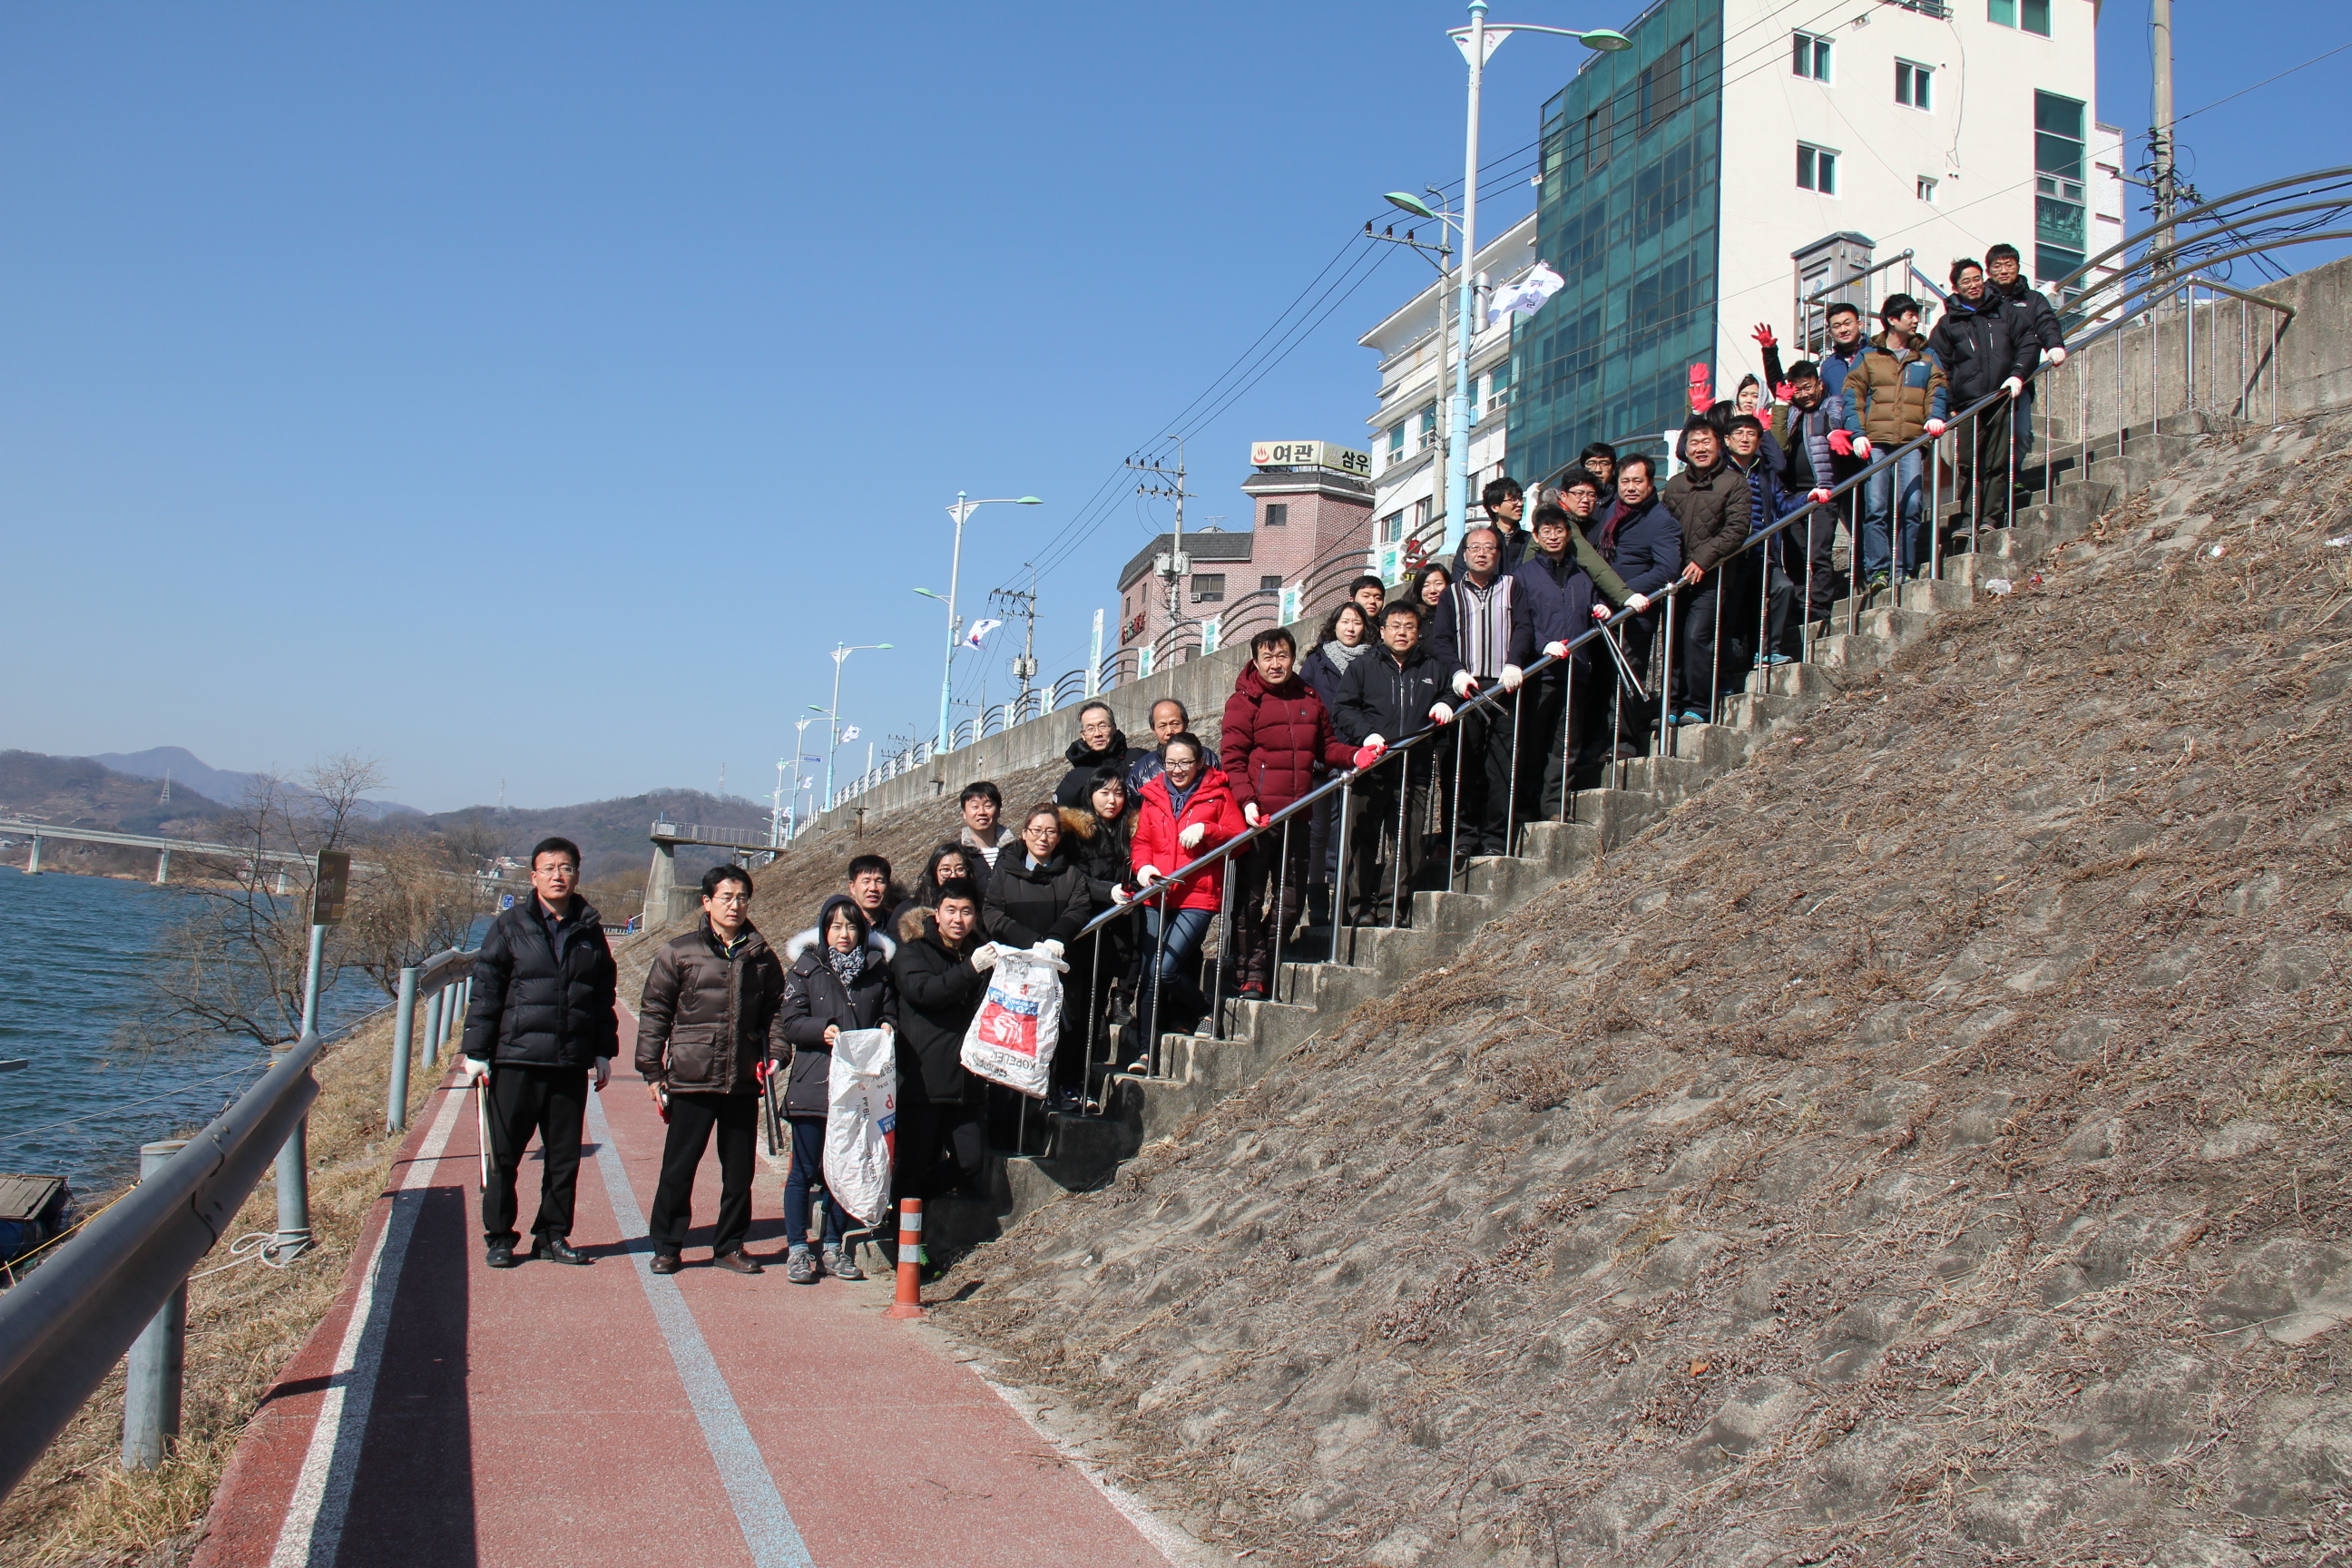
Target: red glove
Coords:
[[1819, 495], [1702, 388], [1764, 416], [1764, 337], [1367, 756], [1785, 391], [1840, 443]]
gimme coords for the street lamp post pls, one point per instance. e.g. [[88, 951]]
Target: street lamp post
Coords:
[[841, 652], [1477, 42], [960, 511]]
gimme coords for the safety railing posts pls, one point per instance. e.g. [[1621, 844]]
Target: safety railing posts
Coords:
[[155, 1370], [67, 1323]]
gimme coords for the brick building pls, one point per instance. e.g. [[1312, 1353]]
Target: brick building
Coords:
[[1310, 513]]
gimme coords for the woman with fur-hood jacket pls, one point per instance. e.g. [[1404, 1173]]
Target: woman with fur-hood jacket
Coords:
[[826, 988]]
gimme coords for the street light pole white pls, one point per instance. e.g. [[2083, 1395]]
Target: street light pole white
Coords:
[[960, 511], [841, 652], [1477, 42]]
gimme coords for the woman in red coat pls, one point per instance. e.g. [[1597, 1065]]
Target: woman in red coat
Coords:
[[1186, 811]]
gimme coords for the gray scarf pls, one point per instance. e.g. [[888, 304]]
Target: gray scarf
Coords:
[[1341, 656]]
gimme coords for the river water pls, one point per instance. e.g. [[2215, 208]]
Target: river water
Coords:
[[73, 953]]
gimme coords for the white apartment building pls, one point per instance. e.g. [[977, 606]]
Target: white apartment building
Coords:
[[1744, 150], [1408, 481]]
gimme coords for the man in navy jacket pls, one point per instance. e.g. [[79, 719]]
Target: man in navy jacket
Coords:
[[1639, 538]]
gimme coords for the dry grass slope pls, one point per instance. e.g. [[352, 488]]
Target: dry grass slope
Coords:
[[1927, 1146]]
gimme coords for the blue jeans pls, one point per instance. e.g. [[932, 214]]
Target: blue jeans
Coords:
[[1187, 929], [1878, 500], [807, 1175]]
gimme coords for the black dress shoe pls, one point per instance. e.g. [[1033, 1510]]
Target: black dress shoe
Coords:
[[555, 1249], [739, 1262], [502, 1256], [665, 1263]]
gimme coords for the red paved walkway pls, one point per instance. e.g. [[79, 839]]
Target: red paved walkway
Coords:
[[445, 1412]]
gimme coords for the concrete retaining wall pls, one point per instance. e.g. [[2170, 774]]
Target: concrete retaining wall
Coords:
[[1201, 684]]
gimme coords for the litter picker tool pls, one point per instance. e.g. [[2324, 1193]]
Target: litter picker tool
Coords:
[[482, 1122]]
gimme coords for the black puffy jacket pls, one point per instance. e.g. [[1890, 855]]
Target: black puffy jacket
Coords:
[[1385, 696], [1076, 785], [706, 1018], [1024, 907], [1977, 348], [815, 997], [938, 992], [536, 1007]]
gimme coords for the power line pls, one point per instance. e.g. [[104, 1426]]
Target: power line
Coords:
[[2264, 82]]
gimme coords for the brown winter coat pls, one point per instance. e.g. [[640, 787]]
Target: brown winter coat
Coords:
[[706, 1020], [1711, 506], [1893, 392]]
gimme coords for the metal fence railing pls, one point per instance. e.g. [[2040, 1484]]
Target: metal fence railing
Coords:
[[64, 1327]]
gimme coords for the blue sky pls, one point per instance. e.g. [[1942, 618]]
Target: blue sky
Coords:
[[537, 393]]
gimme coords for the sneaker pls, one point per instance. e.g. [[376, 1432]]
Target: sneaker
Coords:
[[1690, 716], [800, 1266], [1251, 990], [1778, 659], [841, 1265], [1140, 1065]]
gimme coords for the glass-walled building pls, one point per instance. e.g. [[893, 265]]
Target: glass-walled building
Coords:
[[1742, 154], [1628, 217]]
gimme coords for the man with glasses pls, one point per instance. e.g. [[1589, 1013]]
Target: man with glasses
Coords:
[[705, 1033], [542, 1021], [2031, 320]]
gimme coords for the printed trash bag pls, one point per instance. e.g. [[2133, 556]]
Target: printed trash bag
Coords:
[[861, 1117], [1012, 1038]]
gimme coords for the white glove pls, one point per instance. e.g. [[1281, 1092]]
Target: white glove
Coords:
[[1376, 743], [2058, 355], [2013, 386], [1249, 814], [1818, 494], [984, 957], [1559, 649], [1862, 446], [1148, 875], [1439, 713], [473, 1069], [1513, 676], [1637, 603], [1191, 836], [1935, 427], [1051, 947], [1465, 683], [1119, 895]]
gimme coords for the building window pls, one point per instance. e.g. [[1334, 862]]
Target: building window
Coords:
[[2032, 15], [1269, 584], [1420, 516], [1598, 133], [1812, 57], [1391, 528], [1396, 439], [1429, 427], [1208, 587], [2060, 214], [1665, 86], [1278, 514], [1816, 168], [1926, 189], [1914, 85]]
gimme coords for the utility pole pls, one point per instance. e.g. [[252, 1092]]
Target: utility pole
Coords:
[[2160, 135], [1172, 565], [776, 809], [1014, 603]]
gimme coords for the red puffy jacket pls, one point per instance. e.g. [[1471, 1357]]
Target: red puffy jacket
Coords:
[[1157, 826], [1273, 738]]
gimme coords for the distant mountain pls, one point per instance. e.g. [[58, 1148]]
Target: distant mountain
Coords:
[[183, 766], [612, 834], [78, 792]]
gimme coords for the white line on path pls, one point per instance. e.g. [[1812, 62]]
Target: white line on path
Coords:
[[313, 1529], [767, 1525]]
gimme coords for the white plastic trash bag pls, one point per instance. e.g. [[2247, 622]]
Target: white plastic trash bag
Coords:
[[861, 1096], [1012, 1038]]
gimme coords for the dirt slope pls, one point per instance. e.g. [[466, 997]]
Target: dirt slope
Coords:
[[1928, 1146]]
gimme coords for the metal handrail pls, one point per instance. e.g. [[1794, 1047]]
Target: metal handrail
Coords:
[[65, 1326]]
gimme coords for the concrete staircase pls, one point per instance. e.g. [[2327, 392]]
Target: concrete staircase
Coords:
[[1080, 1153]]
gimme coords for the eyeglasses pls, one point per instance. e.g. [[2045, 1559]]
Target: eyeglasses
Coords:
[[555, 871], [730, 897]]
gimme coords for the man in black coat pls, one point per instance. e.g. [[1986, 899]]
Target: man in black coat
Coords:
[[2031, 321], [1981, 356], [1101, 743], [541, 1023], [1389, 695], [941, 978], [1639, 538]]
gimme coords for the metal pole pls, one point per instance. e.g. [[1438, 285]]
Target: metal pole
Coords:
[[293, 1238], [1281, 919], [1094, 659], [1339, 893], [1159, 983], [403, 1046], [1224, 948], [1666, 745], [1405, 798], [154, 1372], [433, 1027], [1457, 466], [311, 979], [2159, 46], [947, 674]]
